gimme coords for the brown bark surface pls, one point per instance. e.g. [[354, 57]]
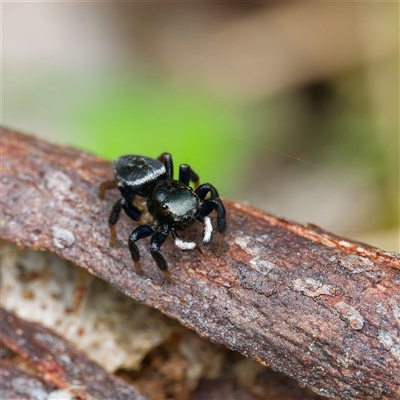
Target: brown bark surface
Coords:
[[318, 307], [18, 384], [60, 364]]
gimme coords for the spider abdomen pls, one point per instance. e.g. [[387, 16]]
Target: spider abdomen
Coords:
[[138, 173]]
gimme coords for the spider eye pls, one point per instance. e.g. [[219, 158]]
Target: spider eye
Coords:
[[164, 206]]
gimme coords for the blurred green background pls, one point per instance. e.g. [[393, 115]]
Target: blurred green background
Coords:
[[291, 107]]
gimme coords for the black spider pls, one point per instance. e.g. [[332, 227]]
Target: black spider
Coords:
[[161, 204]]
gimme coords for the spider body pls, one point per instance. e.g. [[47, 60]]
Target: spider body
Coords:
[[174, 203], [151, 196], [138, 175]]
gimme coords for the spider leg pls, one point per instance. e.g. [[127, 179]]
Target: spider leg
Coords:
[[186, 174], [206, 188], [210, 204], [207, 228], [130, 210], [213, 203], [126, 192], [113, 219], [106, 185], [140, 232], [155, 243], [166, 159], [180, 243]]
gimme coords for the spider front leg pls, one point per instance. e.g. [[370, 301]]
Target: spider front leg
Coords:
[[155, 243], [180, 243], [207, 228], [130, 210], [210, 204], [140, 232], [186, 174]]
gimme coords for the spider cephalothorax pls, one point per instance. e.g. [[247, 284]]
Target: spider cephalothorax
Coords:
[[161, 204]]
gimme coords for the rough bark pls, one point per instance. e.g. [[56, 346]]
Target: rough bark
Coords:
[[60, 364], [18, 384], [318, 307], [157, 355]]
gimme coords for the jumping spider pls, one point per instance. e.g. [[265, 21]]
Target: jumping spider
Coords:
[[151, 196]]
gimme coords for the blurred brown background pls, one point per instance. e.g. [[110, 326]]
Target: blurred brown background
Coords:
[[293, 107]]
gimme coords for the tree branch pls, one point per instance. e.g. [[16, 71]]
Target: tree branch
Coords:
[[60, 364], [318, 307]]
